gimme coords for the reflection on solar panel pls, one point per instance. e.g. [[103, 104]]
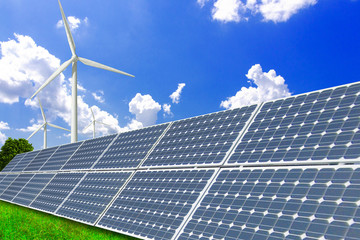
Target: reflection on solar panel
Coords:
[[130, 148], [283, 203], [154, 203], [32, 189], [200, 140], [283, 169], [56, 191], [88, 153], [93, 194], [322, 125], [40, 159], [13, 162], [16, 186], [58, 159]]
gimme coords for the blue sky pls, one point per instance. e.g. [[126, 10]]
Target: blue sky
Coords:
[[189, 58]]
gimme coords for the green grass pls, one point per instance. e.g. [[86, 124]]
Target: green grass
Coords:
[[18, 222]]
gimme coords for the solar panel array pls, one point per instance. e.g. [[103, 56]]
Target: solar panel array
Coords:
[[283, 169]]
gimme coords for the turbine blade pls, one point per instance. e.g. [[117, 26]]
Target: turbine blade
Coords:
[[102, 66], [55, 126], [36, 131], [92, 114], [42, 110], [88, 125], [54, 75], [67, 30], [103, 123]]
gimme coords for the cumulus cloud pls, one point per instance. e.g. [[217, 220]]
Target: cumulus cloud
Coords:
[[268, 86], [98, 96], [167, 109], [4, 125], [175, 96], [74, 22], [145, 109], [270, 10], [24, 67], [2, 138]]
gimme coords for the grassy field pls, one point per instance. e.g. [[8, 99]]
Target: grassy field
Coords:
[[23, 223]]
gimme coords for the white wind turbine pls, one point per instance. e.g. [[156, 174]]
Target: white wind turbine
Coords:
[[74, 58], [93, 123], [44, 125]]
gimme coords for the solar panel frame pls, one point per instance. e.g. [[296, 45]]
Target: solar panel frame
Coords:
[[40, 159], [13, 162], [25, 161], [19, 182], [288, 175], [6, 182]]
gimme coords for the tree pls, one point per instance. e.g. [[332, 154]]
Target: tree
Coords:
[[11, 148]]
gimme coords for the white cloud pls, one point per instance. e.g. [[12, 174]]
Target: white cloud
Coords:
[[228, 10], [175, 96], [167, 109], [4, 125], [2, 138], [145, 109], [74, 22], [24, 67], [269, 86], [271, 10], [99, 96], [31, 128]]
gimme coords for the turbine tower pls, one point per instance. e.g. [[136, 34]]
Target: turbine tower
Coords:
[[74, 58], [93, 123], [45, 124]]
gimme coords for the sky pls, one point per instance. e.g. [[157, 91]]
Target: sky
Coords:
[[189, 58]]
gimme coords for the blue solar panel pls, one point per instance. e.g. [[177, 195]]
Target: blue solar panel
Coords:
[[40, 159], [61, 155], [6, 181], [13, 162], [200, 140], [154, 203], [318, 126], [130, 148], [279, 203], [16, 186], [88, 153], [92, 195], [24, 162], [56, 191], [32, 188]]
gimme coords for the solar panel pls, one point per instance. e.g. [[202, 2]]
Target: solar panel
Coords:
[[279, 203], [16, 186], [13, 162], [32, 188], [92, 195], [130, 148], [40, 159], [88, 153], [61, 155], [318, 126], [24, 162], [56, 191], [154, 203], [6, 181], [200, 140]]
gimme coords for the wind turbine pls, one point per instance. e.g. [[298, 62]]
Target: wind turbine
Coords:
[[44, 125], [93, 123], [74, 58]]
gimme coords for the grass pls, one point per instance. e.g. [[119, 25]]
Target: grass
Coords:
[[18, 222]]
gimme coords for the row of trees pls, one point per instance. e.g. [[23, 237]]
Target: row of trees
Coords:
[[11, 148]]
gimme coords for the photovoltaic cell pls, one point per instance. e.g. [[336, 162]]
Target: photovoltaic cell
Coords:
[[56, 191], [200, 140], [32, 188], [40, 159], [58, 159], [88, 153], [24, 162], [279, 203], [6, 181], [322, 125], [13, 162], [154, 203], [92, 195], [16, 186], [130, 148]]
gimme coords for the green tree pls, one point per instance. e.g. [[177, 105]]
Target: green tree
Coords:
[[11, 148]]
